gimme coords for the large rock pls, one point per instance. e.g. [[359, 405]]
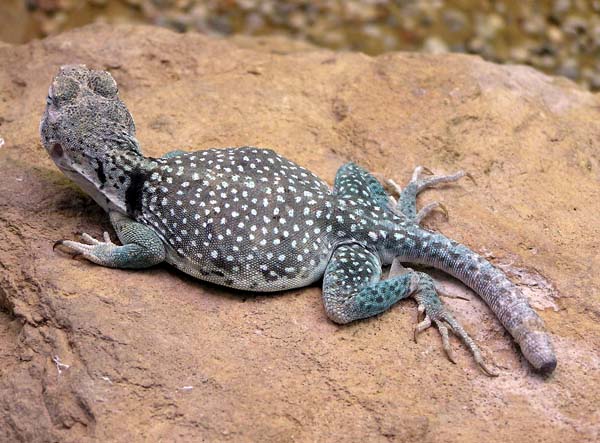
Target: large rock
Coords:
[[157, 355]]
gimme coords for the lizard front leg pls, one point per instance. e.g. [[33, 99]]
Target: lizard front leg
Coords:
[[141, 248]]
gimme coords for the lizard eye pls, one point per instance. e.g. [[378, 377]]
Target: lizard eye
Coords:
[[103, 83], [63, 90]]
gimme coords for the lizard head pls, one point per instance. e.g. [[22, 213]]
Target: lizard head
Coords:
[[84, 120]]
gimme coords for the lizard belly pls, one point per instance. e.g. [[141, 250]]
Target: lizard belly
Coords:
[[265, 273]]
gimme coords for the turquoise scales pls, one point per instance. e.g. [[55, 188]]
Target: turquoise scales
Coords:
[[249, 219]]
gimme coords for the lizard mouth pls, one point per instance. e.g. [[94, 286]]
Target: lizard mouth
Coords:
[[57, 152], [57, 155], [69, 170]]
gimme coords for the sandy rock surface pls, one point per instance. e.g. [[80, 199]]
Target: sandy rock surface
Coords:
[[95, 354]]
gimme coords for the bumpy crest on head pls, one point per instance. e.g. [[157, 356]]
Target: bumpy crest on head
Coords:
[[84, 116]]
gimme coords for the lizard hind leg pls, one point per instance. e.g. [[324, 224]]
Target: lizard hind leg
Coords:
[[352, 289], [352, 285], [436, 313]]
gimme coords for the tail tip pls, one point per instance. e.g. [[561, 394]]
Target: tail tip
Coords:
[[547, 367], [538, 350]]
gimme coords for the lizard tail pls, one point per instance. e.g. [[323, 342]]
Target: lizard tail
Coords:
[[502, 296]]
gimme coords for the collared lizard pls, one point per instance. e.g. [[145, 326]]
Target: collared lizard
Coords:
[[247, 218]]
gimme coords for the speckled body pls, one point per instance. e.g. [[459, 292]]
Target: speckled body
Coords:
[[250, 219], [245, 218]]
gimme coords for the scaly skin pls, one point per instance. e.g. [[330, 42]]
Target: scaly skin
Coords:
[[248, 218]]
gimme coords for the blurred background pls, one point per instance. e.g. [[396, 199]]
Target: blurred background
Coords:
[[560, 37]]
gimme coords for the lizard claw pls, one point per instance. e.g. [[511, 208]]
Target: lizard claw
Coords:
[[443, 293], [392, 185], [426, 170], [470, 177]]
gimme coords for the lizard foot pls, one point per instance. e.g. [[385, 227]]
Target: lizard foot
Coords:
[[407, 203], [424, 183], [89, 248], [435, 313]]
